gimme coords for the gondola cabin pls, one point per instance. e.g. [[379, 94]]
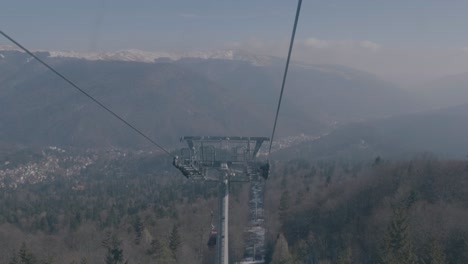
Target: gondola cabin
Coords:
[[212, 239]]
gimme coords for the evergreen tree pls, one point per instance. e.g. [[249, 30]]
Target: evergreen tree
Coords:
[[397, 247], [281, 253], [138, 228], [114, 253], [155, 247], [25, 256], [174, 239]]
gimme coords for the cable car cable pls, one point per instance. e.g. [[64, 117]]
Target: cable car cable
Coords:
[[285, 73], [85, 93]]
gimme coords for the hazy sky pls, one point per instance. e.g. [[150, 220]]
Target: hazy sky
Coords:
[[403, 40]]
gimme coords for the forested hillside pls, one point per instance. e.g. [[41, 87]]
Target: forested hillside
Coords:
[[133, 206], [130, 206], [376, 212], [169, 99]]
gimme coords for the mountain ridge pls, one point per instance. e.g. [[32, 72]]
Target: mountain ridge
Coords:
[[440, 132], [191, 96], [137, 55]]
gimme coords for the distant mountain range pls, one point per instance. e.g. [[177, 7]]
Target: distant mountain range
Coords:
[[150, 57], [224, 93]]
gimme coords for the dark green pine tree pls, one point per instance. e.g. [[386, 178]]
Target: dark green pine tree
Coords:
[[397, 247], [174, 240], [138, 228], [114, 252], [155, 247]]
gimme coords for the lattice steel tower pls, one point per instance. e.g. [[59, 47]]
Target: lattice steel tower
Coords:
[[224, 160]]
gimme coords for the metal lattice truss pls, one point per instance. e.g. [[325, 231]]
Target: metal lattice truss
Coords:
[[237, 156]]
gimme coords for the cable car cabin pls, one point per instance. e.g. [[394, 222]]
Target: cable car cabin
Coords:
[[212, 239]]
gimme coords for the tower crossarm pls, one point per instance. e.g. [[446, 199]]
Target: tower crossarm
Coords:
[[206, 154]]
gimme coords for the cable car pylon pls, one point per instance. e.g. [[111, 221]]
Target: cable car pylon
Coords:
[[229, 159], [223, 160]]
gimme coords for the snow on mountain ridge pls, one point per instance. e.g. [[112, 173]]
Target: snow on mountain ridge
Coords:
[[121, 55], [150, 57], [5, 47]]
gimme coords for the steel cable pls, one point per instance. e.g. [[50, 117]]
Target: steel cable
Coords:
[[285, 74], [85, 93]]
